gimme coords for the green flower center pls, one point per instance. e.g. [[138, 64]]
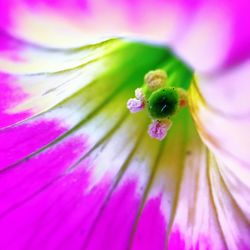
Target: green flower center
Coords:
[[162, 94], [163, 103]]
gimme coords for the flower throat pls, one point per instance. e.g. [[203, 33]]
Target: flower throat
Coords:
[[160, 100]]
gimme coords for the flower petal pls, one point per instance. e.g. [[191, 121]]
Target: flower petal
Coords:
[[32, 86], [218, 37], [52, 164], [86, 21], [209, 35], [81, 164], [221, 111]]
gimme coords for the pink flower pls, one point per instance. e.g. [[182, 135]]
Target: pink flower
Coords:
[[77, 171]]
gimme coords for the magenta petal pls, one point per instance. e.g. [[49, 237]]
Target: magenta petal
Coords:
[[27, 195], [220, 108], [41, 193], [210, 35], [240, 49], [218, 36], [21, 141], [151, 226], [87, 21], [79, 173], [10, 96]]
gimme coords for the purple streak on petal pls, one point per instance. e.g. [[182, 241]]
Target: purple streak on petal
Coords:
[[10, 47], [51, 206], [9, 97], [24, 179], [114, 228], [243, 246], [65, 8], [20, 141], [79, 210], [5, 11], [240, 48], [176, 241], [149, 19], [202, 243], [9, 10], [29, 192], [59, 4], [151, 231], [179, 240]]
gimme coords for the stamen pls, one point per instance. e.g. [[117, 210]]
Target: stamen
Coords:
[[183, 101], [155, 79], [139, 94], [158, 129], [161, 101], [135, 105]]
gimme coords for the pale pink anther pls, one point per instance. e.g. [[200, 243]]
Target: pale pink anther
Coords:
[[139, 94], [158, 129], [134, 105]]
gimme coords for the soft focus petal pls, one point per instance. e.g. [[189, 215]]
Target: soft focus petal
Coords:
[[80, 172], [209, 35], [218, 36], [73, 163], [32, 85], [20, 57], [85, 21], [57, 170], [221, 111]]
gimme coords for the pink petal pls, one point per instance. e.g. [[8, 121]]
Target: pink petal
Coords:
[[98, 19], [218, 37], [223, 121], [210, 35], [10, 96], [74, 175]]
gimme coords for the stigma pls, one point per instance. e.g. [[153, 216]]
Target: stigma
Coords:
[[160, 100]]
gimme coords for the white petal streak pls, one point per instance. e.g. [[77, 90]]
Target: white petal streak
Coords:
[[32, 59], [225, 131], [233, 222], [194, 214]]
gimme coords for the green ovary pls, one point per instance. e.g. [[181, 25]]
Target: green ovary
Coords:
[[126, 65], [163, 103]]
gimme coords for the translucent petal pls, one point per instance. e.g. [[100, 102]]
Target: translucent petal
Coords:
[[82, 22], [79, 172], [210, 30], [32, 86], [221, 112]]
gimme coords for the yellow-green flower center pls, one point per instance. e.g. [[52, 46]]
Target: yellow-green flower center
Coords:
[[163, 103]]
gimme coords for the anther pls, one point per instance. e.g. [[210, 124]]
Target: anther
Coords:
[[139, 94], [136, 104], [155, 79], [161, 101], [158, 129], [183, 101]]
